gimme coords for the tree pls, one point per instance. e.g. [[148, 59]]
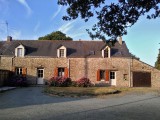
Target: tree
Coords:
[[157, 63], [114, 18], [58, 35]]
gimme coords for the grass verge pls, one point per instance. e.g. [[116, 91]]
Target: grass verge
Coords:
[[96, 91], [80, 91]]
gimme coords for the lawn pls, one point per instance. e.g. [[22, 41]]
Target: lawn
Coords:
[[95, 91], [81, 91]]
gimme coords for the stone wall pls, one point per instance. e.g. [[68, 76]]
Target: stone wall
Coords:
[[80, 67]]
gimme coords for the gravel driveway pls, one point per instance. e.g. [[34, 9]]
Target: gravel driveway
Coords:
[[31, 104]]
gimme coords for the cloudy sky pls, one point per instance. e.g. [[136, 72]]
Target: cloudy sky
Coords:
[[30, 19]]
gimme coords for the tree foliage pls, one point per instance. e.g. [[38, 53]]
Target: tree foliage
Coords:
[[157, 63], [113, 18], [58, 35]]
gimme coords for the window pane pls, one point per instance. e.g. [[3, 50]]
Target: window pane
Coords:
[[61, 52], [18, 71], [40, 73], [106, 52], [60, 71], [112, 75], [19, 52], [102, 74]]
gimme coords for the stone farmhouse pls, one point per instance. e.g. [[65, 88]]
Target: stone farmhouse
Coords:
[[114, 65]]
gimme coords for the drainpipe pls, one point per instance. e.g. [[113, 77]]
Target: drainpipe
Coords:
[[68, 67], [13, 62], [130, 60]]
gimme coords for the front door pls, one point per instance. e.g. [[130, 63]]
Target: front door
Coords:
[[40, 76], [113, 78]]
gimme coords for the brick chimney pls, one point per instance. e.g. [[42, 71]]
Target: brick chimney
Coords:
[[120, 40], [9, 38]]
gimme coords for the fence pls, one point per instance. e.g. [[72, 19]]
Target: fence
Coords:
[[4, 76]]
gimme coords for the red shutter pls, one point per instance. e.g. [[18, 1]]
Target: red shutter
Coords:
[[55, 72], [24, 72], [98, 75], [107, 75], [66, 72]]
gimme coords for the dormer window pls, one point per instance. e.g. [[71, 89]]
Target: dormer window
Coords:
[[20, 51], [62, 51], [106, 52]]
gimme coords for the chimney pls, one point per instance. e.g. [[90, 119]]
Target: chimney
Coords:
[[120, 40], [9, 38]]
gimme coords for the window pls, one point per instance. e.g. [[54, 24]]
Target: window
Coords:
[[60, 72], [102, 74], [124, 76], [61, 52], [19, 52], [106, 53], [112, 75], [18, 71], [40, 73]]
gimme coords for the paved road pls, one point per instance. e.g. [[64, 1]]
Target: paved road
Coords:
[[32, 104]]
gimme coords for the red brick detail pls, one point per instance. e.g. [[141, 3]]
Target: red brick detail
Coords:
[[98, 75], [65, 72], [107, 75], [55, 72], [24, 72]]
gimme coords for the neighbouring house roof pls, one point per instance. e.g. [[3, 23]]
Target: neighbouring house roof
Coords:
[[74, 48], [1, 46]]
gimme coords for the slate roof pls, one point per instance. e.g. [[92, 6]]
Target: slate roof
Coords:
[[48, 48], [1, 46]]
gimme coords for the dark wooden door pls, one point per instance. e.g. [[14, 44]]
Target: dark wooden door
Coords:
[[141, 79]]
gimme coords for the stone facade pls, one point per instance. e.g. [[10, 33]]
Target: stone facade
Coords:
[[80, 67]]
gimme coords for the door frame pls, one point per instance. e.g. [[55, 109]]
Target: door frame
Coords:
[[40, 77], [111, 80]]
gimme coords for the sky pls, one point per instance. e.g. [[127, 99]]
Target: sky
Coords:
[[30, 19]]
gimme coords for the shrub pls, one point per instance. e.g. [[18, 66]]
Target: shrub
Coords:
[[18, 81], [60, 82], [84, 82]]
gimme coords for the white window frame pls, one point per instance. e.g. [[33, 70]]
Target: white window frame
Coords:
[[22, 48], [18, 71], [19, 52], [41, 74], [109, 52], [61, 72], [104, 76], [112, 76], [59, 53]]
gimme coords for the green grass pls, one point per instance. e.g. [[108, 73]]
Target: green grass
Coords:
[[80, 91], [96, 91]]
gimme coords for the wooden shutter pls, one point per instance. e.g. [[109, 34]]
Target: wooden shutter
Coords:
[[66, 72], [107, 75], [24, 72], [55, 72], [98, 75]]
